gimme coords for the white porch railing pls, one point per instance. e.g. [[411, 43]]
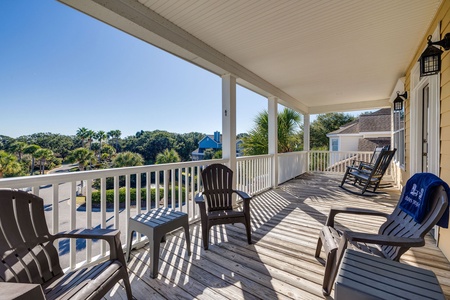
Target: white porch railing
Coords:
[[254, 173], [111, 196], [291, 165], [169, 185], [335, 161]]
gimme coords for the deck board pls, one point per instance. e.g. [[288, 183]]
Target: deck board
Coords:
[[280, 264]]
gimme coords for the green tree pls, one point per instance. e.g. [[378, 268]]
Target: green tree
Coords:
[[31, 150], [83, 157], [9, 166], [217, 155], [326, 123], [43, 155], [18, 148], [100, 136], [107, 153], [83, 134], [127, 159], [114, 136], [256, 142], [167, 157]]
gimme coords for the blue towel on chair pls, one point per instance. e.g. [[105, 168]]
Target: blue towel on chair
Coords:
[[417, 192]]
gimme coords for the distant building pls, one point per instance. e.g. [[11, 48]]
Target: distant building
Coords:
[[363, 134], [213, 142]]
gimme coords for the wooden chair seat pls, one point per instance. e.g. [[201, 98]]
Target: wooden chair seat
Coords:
[[225, 214], [84, 282]]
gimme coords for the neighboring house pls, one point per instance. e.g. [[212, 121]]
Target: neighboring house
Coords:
[[363, 134], [213, 142]]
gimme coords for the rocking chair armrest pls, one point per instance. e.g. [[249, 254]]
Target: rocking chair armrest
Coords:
[[383, 239], [352, 210]]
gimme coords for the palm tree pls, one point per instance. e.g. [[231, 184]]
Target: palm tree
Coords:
[[115, 135], [256, 142], [100, 136], [127, 159], [107, 152], [90, 137], [43, 155], [82, 133], [31, 150], [167, 157], [82, 156], [9, 164], [18, 147]]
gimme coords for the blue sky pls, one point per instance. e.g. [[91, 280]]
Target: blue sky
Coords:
[[61, 70]]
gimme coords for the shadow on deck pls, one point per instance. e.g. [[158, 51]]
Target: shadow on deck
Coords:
[[280, 263]]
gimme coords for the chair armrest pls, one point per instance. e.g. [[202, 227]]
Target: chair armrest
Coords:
[[383, 239], [83, 233], [112, 236], [242, 194], [352, 210], [199, 198]]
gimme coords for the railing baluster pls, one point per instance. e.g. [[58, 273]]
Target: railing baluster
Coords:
[[103, 212], [88, 202], [73, 223], [127, 201], [148, 186], [157, 194]]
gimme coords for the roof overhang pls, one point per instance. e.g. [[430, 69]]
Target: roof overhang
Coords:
[[313, 56]]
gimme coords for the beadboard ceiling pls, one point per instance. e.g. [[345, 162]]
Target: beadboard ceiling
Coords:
[[313, 55]]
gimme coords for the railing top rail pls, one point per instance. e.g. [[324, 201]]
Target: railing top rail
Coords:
[[341, 152], [25, 181], [254, 157]]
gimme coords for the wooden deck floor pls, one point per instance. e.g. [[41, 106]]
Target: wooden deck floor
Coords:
[[280, 263]]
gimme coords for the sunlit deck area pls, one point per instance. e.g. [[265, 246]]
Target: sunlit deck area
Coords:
[[280, 263]]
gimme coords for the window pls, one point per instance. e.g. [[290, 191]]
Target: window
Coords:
[[334, 144], [399, 136]]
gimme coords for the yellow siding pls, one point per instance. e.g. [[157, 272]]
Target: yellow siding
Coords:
[[443, 18]]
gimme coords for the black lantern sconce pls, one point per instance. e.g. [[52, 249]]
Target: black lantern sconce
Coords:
[[430, 60], [398, 102]]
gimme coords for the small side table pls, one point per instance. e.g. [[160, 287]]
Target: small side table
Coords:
[[155, 224], [363, 276]]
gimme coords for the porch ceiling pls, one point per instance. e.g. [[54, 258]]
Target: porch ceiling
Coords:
[[315, 56]]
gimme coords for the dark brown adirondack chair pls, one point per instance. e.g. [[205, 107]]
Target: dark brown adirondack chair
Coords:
[[29, 255], [395, 236], [217, 209], [369, 177]]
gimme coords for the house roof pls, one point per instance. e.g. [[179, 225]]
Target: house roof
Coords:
[[313, 56], [376, 121]]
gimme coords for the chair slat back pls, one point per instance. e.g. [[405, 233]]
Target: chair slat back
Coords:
[[403, 225], [26, 246], [382, 163], [217, 184]]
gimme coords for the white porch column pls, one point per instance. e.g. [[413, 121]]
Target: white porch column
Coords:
[[273, 137], [306, 138], [229, 122]]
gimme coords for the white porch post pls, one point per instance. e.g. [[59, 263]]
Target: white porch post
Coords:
[[273, 137], [229, 122], [306, 138]]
